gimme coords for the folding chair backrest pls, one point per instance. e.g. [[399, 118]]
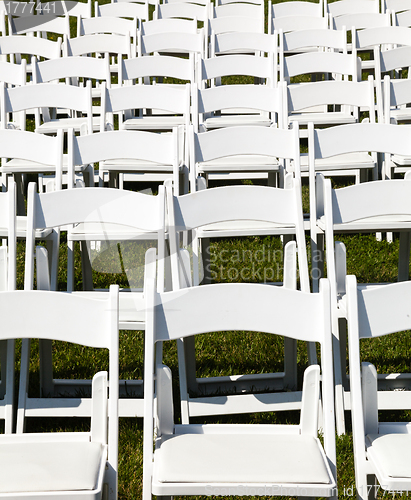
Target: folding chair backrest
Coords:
[[99, 43], [389, 60], [320, 62], [37, 147], [35, 46], [171, 42], [47, 95], [246, 97], [236, 203], [214, 68], [164, 97], [43, 23], [403, 18], [357, 94], [261, 43], [382, 35], [396, 5], [182, 10], [72, 67], [14, 74], [343, 7], [159, 66], [296, 23], [396, 93], [357, 137], [285, 9], [95, 205], [132, 10], [107, 24], [308, 38], [239, 11], [362, 20]]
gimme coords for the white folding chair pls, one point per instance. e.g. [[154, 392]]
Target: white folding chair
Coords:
[[163, 97], [74, 464], [233, 211], [243, 43], [384, 37], [296, 16], [396, 101], [395, 5], [97, 44], [41, 96], [357, 209], [380, 448], [25, 152], [347, 99], [90, 214], [236, 105], [253, 458], [402, 18], [44, 24], [178, 37], [155, 69], [183, 10], [295, 22], [14, 46], [343, 7], [243, 152], [234, 17], [7, 282]]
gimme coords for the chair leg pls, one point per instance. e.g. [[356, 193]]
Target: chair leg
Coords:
[[404, 256], [21, 207], [86, 266], [46, 368], [23, 385], [183, 382], [9, 386], [290, 364], [338, 376], [3, 365], [70, 266]]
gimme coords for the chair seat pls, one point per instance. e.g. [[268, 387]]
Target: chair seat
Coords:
[[52, 126], [17, 165], [332, 118], [346, 161], [153, 122], [91, 231], [49, 466], [391, 454], [237, 120], [243, 228], [372, 224], [402, 161], [134, 166], [241, 163], [240, 458]]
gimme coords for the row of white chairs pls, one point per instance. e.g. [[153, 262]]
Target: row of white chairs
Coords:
[[184, 461], [327, 216]]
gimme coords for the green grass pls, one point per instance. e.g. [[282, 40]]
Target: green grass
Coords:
[[249, 259], [369, 259]]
